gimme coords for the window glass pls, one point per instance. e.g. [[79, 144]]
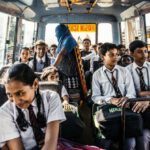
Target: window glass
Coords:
[[105, 32], [29, 29], [79, 32]]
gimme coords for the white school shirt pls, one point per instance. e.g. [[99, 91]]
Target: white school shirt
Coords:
[[90, 55], [102, 89], [39, 66], [146, 74], [64, 92], [8, 114]]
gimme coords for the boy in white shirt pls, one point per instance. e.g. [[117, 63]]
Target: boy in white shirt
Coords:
[[140, 71], [113, 84], [41, 59]]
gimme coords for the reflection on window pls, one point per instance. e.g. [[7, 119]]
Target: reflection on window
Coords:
[[105, 32]]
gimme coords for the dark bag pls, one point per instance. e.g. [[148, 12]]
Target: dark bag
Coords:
[[73, 127], [146, 118], [109, 118]]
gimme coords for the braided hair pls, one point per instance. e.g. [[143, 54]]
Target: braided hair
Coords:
[[23, 73]]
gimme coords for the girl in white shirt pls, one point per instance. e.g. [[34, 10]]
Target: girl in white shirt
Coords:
[[24, 56], [30, 119]]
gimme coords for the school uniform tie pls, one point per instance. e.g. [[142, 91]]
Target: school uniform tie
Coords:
[[41, 61], [141, 77], [38, 133], [115, 86]]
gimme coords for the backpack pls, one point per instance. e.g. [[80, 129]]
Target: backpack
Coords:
[[64, 144]]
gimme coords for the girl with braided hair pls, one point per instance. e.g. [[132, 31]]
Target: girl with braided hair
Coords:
[[30, 119]]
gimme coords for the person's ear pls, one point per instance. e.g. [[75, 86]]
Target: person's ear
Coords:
[[102, 56], [36, 84]]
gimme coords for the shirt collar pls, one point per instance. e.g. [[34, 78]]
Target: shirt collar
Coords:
[[34, 103], [136, 66], [38, 59], [104, 68]]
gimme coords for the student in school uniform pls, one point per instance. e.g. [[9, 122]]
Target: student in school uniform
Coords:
[[41, 59], [140, 70], [30, 118], [112, 84], [51, 75], [24, 56]]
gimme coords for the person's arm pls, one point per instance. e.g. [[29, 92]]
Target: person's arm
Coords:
[[144, 93], [89, 56], [14, 144], [51, 136], [60, 57], [97, 95]]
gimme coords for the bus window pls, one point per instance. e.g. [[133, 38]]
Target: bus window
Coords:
[[7, 37], [3, 27], [105, 32], [123, 32], [147, 17], [50, 37], [29, 32], [82, 31], [133, 30], [79, 32]]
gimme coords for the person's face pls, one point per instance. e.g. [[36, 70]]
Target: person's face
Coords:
[[41, 50], [140, 55], [111, 57], [86, 44], [122, 51], [24, 55], [54, 77], [22, 95], [53, 50], [126, 61]]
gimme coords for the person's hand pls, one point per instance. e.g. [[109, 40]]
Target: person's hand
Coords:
[[121, 102], [118, 101], [65, 102], [66, 105], [115, 101], [140, 106]]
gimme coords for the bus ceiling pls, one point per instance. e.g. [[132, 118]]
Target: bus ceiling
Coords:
[[74, 11]]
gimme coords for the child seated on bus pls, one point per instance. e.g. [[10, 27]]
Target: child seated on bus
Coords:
[[24, 56], [51, 75], [140, 70], [30, 118], [112, 84], [41, 59]]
